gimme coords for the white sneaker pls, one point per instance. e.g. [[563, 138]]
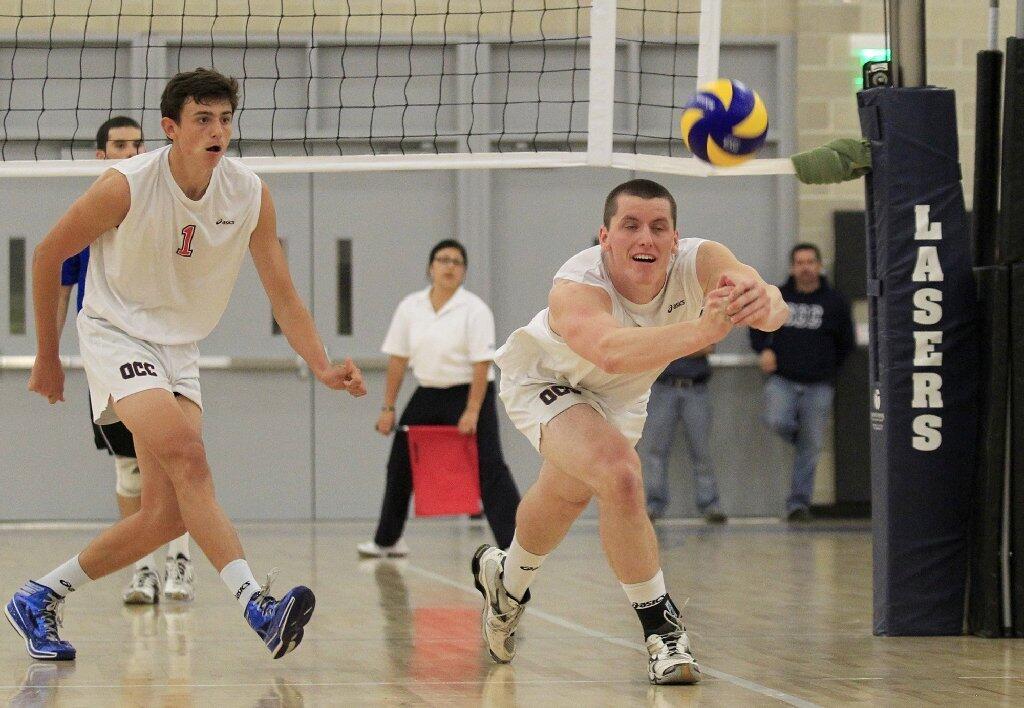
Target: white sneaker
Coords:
[[670, 657], [502, 612], [179, 580], [369, 549], [144, 589]]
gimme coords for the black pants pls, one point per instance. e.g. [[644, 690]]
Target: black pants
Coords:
[[444, 406]]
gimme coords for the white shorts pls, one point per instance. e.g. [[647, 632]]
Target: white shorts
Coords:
[[533, 404], [118, 365]]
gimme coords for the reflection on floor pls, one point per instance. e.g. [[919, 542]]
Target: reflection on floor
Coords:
[[777, 615]]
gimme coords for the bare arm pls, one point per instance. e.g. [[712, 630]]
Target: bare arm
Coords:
[[582, 315], [102, 207], [752, 302], [392, 384], [475, 399], [290, 312], [63, 299]]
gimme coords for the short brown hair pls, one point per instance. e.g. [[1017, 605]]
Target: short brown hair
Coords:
[[202, 86], [643, 188], [103, 133]]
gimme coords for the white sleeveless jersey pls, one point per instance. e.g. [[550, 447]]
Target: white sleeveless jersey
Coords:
[[166, 273], [535, 353]]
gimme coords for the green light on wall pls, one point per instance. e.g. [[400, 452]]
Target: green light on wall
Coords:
[[862, 56]]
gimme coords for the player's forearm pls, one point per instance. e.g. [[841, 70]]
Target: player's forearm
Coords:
[[779, 313], [634, 349], [45, 296], [63, 298], [299, 329]]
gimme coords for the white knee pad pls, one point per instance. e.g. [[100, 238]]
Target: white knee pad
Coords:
[[129, 478]]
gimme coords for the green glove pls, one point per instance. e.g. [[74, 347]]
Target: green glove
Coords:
[[836, 161]]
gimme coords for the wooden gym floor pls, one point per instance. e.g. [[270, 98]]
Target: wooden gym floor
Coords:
[[776, 615]]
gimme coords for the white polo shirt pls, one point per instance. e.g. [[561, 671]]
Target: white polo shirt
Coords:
[[442, 346]]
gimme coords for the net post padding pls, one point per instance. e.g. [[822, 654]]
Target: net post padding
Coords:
[[984, 603], [1016, 472], [986, 156], [924, 367], [1010, 240]]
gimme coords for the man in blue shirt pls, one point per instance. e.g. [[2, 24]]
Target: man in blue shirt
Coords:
[[117, 139], [801, 360]]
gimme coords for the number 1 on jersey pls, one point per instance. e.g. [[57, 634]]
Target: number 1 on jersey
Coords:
[[186, 244]]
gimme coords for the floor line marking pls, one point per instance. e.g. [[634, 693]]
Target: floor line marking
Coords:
[[587, 631]]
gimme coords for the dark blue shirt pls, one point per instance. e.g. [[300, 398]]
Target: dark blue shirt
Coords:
[[815, 340], [695, 368], [72, 272]]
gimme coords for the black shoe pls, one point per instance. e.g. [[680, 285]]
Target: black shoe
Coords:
[[715, 516], [800, 515]]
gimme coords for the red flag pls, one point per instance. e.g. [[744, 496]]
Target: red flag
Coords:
[[445, 471]]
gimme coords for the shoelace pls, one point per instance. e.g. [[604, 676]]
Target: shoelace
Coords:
[[672, 639], [52, 617], [264, 593], [181, 569], [145, 579]]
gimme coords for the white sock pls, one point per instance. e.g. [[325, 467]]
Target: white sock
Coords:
[[640, 594], [240, 581], [179, 547], [66, 578], [146, 562], [520, 567]]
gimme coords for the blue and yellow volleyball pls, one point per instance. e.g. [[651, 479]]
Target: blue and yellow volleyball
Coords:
[[724, 123]]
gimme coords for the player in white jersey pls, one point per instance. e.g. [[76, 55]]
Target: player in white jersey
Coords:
[[168, 231], [575, 381]]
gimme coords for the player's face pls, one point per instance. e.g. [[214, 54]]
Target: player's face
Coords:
[[641, 240], [122, 143], [447, 269], [203, 131]]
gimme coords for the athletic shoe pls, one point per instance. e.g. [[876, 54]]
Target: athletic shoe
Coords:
[[179, 579], [369, 549], [35, 614], [502, 612], [279, 623], [144, 589], [670, 658]]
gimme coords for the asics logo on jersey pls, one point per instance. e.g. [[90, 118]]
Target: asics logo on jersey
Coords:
[[225, 221], [551, 393], [676, 305], [131, 369]]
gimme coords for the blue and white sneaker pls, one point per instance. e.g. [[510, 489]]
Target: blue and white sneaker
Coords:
[[35, 614], [279, 623]]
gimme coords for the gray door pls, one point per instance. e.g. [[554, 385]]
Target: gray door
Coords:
[[372, 236]]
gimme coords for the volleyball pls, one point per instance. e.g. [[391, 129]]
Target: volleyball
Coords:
[[724, 123]]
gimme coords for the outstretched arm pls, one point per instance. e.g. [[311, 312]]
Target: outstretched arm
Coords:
[[102, 207], [753, 302], [582, 315], [290, 312]]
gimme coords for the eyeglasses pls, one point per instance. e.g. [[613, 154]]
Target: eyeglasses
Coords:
[[445, 260]]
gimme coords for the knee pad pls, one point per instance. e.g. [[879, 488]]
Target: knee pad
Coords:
[[129, 478]]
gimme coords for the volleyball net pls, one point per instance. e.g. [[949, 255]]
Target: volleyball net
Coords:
[[356, 85]]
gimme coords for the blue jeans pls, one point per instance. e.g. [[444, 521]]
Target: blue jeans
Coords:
[[667, 406], [799, 412]]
